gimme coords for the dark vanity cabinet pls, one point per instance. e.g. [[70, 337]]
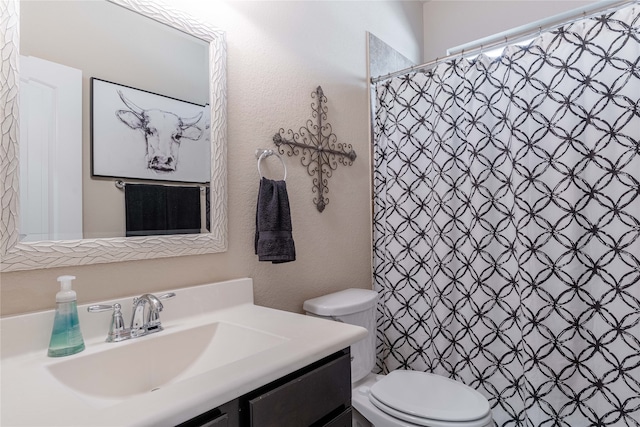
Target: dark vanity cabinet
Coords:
[[313, 396], [223, 416], [317, 395]]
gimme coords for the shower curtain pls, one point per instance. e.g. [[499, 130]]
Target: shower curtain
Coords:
[[507, 224]]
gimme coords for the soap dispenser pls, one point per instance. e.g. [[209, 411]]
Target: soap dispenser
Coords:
[[66, 337]]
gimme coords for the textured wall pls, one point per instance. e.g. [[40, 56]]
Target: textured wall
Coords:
[[278, 52], [450, 23]]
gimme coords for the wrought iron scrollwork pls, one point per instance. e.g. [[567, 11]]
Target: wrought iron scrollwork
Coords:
[[321, 151]]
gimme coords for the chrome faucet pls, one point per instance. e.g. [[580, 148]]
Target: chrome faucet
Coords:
[[140, 324]]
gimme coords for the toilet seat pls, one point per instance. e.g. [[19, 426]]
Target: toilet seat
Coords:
[[429, 400]]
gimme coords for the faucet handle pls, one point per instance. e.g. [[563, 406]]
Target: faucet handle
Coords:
[[163, 296], [167, 295], [100, 307], [117, 330]]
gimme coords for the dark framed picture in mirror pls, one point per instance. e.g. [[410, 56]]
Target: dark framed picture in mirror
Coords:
[[143, 135]]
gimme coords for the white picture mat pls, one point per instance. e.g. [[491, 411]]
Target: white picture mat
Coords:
[[120, 151]]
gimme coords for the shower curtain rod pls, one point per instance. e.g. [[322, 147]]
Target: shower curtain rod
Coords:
[[514, 35]]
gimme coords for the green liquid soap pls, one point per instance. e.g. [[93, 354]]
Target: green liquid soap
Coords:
[[66, 336]]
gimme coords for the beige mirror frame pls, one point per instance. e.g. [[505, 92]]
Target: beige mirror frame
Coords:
[[15, 255]]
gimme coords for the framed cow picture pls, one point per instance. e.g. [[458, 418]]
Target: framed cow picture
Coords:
[[145, 135]]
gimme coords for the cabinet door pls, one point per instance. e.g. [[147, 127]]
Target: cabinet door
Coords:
[[306, 399], [221, 421], [223, 416], [342, 420]]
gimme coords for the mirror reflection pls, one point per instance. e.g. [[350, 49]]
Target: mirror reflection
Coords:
[[64, 45]]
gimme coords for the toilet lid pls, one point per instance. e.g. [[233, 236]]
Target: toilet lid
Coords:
[[425, 395]]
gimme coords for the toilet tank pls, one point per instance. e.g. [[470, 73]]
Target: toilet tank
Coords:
[[355, 307]]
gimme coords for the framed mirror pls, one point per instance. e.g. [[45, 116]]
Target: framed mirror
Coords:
[[18, 254]]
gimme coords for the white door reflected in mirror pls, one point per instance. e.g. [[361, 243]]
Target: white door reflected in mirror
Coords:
[[50, 151]]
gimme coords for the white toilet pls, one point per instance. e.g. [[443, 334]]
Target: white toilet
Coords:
[[401, 398]]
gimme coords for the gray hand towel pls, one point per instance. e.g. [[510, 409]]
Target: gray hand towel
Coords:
[[159, 209], [273, 240]]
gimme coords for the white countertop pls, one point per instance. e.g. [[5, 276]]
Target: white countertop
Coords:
[[31, 396]]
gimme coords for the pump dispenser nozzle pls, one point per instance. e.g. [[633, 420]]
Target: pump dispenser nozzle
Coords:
[[66, 293]]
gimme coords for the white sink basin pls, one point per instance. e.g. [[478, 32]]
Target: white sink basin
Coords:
[[216, 345], [146, 364]]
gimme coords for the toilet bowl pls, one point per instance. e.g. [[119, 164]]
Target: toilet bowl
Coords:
[[412, 398], [402, 398]]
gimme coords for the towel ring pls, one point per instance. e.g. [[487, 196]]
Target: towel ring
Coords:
[[267, 153]]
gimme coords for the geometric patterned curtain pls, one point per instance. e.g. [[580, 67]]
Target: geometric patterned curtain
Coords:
[[507, 225]]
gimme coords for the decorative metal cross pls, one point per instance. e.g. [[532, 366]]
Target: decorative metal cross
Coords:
[[321, 151]]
